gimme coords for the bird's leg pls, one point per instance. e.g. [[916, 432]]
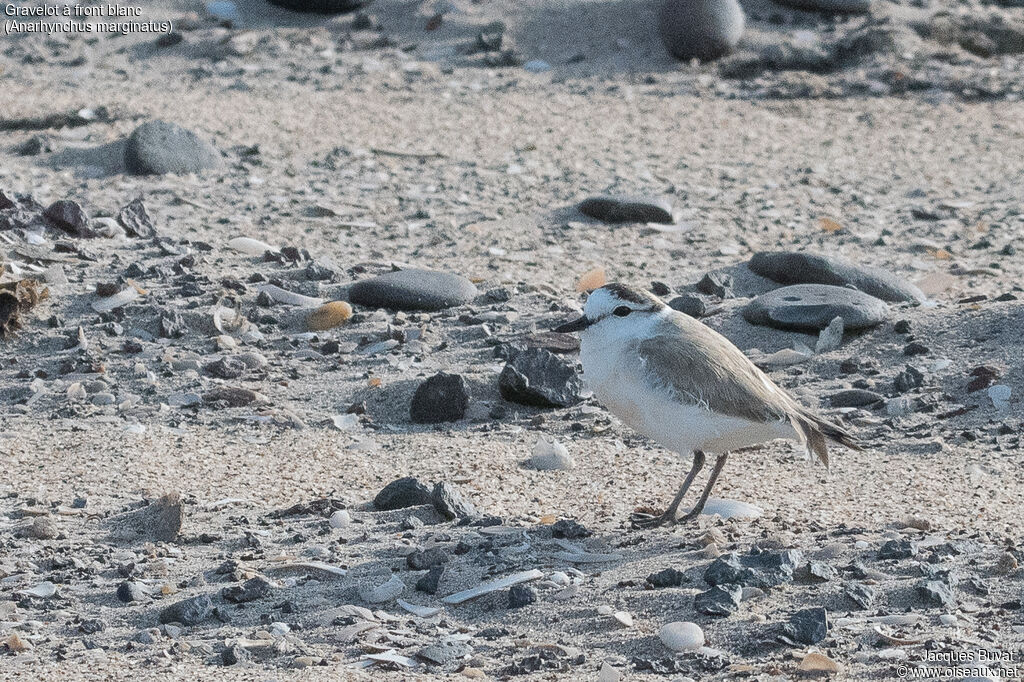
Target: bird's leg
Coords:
[[670, 514], [699, 507]]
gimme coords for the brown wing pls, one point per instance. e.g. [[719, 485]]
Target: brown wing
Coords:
[[703, 367]]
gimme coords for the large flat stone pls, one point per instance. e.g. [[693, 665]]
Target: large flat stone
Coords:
[[794, 267], [413, 289], [810, 307]]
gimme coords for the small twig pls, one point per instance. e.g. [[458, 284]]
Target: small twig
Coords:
[[415, 155]]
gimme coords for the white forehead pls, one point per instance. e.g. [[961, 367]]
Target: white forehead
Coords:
[[601, 302]]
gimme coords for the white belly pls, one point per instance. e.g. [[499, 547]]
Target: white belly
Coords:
[[622, 387]]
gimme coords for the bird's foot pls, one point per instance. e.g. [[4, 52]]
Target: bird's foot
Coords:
[[642, 520]]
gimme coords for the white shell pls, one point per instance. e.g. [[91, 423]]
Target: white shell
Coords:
[[830, 337], [1000, 396], [681, 636], [417, 610], [340, 519], [604, 610], [550, 455], [291, 298], [608, 673], [252, 247], [123, 297], [386, 592], [43, 590], [731, 509], [624, 618], [493, 586]]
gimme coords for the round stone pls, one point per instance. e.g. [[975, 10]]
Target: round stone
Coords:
[[810, 307], [413, 290], [441, 398], [794, 267], [681, 636], [158, 147], [705, 29]]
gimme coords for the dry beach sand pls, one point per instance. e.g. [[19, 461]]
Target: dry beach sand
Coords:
[[366, 149]]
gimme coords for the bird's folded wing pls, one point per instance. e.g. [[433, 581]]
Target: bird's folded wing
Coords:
[[702, 367]]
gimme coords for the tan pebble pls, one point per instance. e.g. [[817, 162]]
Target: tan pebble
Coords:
[[1006, 564], [815, 662], [328, 316], [16, 644], [474, 673], [916, 522], [43, 528], [591, 280]]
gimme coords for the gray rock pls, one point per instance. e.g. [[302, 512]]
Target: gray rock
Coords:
[[233, 655], [70, 217], [539, 378], [810, 307], [830, 6], [450, 503], [402, 493], [669, 577], [907, 380], [898, 549], [441, 398], [757, 569], [135, 220], [129, 591], [705, 29], [855, 397], [520, 596], [188, 611], [862, 595], [424, 559], [626, 209], [250, 590], [793, 267], [226, 368], [413, 289], [716, 284], [444, 652], [158, 147], [807, 626], [432, 580], [720, 600], [937, 593], [693, 306], [101, 399]]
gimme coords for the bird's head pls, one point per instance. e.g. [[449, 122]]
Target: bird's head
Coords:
[[615, 306]]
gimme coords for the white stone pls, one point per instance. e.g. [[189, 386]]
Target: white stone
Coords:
[[682, 636]]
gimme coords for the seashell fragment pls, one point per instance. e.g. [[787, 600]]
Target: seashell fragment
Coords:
[[316, 568], [382, 593], [290, 297], [123, 297], [251, 247], [817, 663], [417, 610], [681, 636], [1000, 396], [493, 586], [43, 590], [328, 316], [624, 618], [731, 509]]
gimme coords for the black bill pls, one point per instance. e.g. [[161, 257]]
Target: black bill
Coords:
[[576, 325]]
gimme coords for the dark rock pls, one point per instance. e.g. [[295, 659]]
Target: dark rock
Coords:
[[441, 398], [91, 626], [129, 591], [725, 570], [693, 306], [660, 289], [909, 379], [855, 397], [669, 577], [520, 596], [720, 600], [33, 146], [538, 378], [135, 220], [451, 503], [862, 595], [937, 593], [70, 217], [810, 307], [250, 590], [172, 324], [430, 582], [702, 29], [320, 6], [413, 290], [188, 611], [916, 348], [758, 569], [623, 209], [807, 626], [226, 368], [716, 284], [818, 572], [898, 549], [231, 396], [570, 529], [158, 147], [901, 327], [158, 521], [233, 655], [421, 560], [402, 493]]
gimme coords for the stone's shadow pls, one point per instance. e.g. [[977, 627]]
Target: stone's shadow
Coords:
[[90, 162]]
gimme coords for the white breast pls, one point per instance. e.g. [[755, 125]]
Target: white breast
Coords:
[[617, 377]]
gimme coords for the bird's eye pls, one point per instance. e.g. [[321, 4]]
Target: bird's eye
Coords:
[[622, 311]]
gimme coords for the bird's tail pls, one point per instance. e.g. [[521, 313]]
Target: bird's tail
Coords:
[[816, 432]]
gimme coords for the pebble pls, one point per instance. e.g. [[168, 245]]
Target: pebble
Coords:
[[681, 636], [539, 378], [441, 398], [831, 337], [425, 559], [188, 611], [855, 397], [627, 209], [250, 590], [805, 307], [716, 284], [160, 520], [701, 29], [135, 220], [550, 455], [101, 399], [432, 580], [669, 577], [328, 316], [948, 619], [720, 600], [520, 596], [129, 591], [413, 289], [158, 147], [340, 519], [42, 528], [450, 503], [937, 593], [693, 306], [794, 267], [807, 626], [862, 595], [70, 217]]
